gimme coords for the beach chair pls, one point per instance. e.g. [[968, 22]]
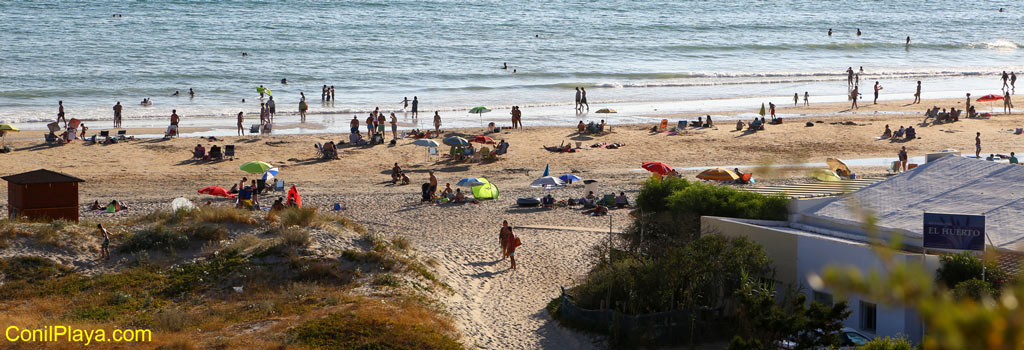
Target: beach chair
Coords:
[[319, 150], [122, 134], [229, 151], [50, 138], [279, 186], [255, 128], [432, 152], [104, 133]]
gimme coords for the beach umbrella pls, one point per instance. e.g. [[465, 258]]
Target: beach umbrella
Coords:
[[455, 141], [483, 139], [548, 182], [989, 98], [657, 167], [485, 191], [216, 191], [836, 165], [255, 167], [762, 109], [6, 128], [480, 110], [718, 174], [471, 182], [546, 168], [269, 174], [426, 143], [569, 178], [606, 110], [825, 175]]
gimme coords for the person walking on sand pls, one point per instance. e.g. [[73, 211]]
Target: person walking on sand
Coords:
[[877, 87], [1007, 104], [977, 145], [105, 246], [394, 126], [302, 109], [241, 129], [1006, 78], [807, 97], [437, 123], [415, 106], [504, 236], [583, 99], [853, 97], [60, 113], [903, 158], [796, 99], [577, 106], [271, 109], [511, 245], [917, 94], [83, 131], [117, 114]]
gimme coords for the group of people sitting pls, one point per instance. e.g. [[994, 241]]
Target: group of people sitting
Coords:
[[756, 124], [328, 151], [456, 196], [591, 128], [948, 117], [702, 123], [908, 133], [113, 207], [1012, 158], [397, 175], [200, 153]]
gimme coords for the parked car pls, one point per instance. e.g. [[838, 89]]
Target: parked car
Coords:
[[851, 339]]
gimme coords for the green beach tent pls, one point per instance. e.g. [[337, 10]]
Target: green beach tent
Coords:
[[485, 191]]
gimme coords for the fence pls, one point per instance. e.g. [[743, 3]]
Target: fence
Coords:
[[671, 327]]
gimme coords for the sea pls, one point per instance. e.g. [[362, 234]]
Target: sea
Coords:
[[639, 58]]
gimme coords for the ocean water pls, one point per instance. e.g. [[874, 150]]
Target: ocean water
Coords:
[[639, 57]]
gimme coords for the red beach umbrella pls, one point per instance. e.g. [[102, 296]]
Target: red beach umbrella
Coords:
[[216, 191], [989, 98], [483, 139], [657, 167]]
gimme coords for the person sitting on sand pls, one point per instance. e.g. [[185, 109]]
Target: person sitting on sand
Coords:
[[596, 211], [215, 152], [591, 199], [708, 123], [548, 201], [581, 128], [95, 206], [459, 196], [911, 133], [448, 193], [405, 179], [278, 205], [887, 133], [621, 201], [899, 132], [396, 174], [199, 152], [330, 150]]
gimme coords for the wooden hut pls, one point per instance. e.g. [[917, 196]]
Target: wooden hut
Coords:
[[42, 195]]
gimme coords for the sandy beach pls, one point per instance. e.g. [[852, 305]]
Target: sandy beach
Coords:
[[493, 307]]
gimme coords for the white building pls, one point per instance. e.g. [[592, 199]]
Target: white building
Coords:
[[826, 232]]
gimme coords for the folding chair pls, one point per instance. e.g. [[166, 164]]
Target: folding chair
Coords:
[[229, 151], [319, 150], [279, 186], [122, 134]]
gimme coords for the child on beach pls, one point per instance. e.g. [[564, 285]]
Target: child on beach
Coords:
[[104, 248]]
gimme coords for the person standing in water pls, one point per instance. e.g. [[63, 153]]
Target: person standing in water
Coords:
[[191, 94], [877, 87], [405, 103], [1006, 78], [583, 99], [858, 31], [241, 129], [302, 109], [332, 92], [908, 40], [117, 114], [271, 109], [807, 97], [577, 105], [437, 123], [261, 90], [917, 94], [1013, 81], [415, 107], [849, 76], [830, 32]]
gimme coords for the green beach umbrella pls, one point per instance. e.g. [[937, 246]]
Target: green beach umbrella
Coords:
[[480, 110], [255, 167], [762, 109]]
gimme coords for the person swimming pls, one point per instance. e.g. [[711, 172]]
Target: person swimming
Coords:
[[284, 81], [176, 93], [504, 65], [858, 31], [830, 32]]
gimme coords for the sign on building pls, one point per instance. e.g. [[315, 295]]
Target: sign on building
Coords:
[[954, 231]]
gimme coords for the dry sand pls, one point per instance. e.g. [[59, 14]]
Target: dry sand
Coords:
[[493, 307]]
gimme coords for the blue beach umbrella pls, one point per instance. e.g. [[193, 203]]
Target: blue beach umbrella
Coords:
[[456, 141], [548, 182], [270, 174], [470, 182], [546, 170], [569, 178]]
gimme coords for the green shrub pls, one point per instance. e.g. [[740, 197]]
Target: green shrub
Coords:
[[372, 329], [387, 279], [294, 237], [653, 194], [30, 269], [962, 267], [206, 231], [401, 243], [158, 237], [888, 343], [974, 289], [295, 216]]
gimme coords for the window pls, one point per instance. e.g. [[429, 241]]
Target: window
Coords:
[[868, 316], [823, 298]]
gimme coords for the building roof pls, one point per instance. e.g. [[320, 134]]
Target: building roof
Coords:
[[40, 176], [951, 185]]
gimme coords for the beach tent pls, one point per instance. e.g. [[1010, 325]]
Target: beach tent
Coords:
[[825, 175], [718, 174], [216, 191], [548, 182], [485, 191]]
